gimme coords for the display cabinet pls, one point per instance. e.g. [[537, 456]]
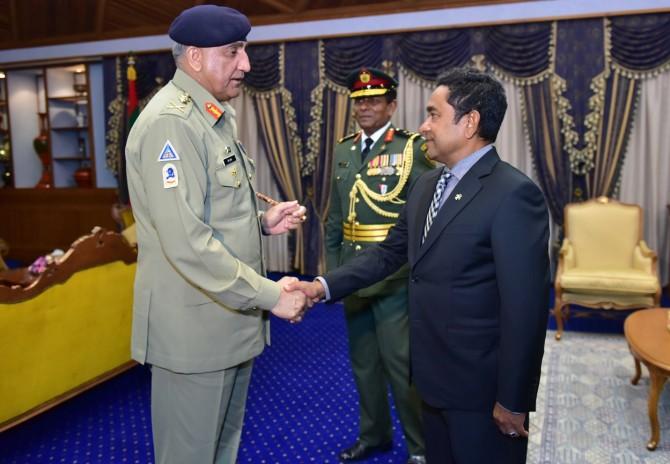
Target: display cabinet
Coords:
[[53, 134], [70, 137], [6, 171]]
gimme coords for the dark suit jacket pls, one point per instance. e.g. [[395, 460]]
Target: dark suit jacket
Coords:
[[478, 290]]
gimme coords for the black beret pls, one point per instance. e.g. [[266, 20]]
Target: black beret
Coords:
[[369, 82], [209, 26]]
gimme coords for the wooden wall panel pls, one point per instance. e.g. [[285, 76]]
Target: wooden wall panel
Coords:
[[35, 221]]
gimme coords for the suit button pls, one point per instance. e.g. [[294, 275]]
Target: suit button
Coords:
[[357, 248]]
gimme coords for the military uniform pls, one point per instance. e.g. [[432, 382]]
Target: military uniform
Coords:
[[199, 287], [366, 197]]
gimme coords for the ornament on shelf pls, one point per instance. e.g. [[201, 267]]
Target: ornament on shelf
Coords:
[[83, 176], [79, 82], [41, 146]]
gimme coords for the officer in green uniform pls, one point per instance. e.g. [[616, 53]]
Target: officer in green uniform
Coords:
[[200, 289], [372, 171]]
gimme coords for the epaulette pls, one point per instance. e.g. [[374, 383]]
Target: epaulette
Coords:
[[347, 137], [405, 132], [179, 106]]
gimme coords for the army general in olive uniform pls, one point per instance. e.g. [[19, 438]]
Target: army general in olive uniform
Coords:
[[200, 289], [372, 171]]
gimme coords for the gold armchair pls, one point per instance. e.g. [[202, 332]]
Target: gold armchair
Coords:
[[604, 262]]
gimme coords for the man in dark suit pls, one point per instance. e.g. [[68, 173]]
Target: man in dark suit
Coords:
[[476, 237]]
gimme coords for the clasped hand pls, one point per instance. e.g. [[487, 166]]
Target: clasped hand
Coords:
[[292, 303], [296, 298]]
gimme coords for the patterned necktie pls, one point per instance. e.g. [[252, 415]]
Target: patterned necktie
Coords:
[[368, 143], [435, 204]]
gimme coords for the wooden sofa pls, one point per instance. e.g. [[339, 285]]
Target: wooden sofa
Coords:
[[67, 329]]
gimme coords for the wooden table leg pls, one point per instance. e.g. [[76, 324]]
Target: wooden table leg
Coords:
[[638, 372], [655, 388]]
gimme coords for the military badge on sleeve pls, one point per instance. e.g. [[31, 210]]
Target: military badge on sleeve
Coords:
[[168, 153], [170, 176]]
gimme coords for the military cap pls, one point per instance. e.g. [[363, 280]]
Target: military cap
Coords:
[[370, 82], [209, 26]]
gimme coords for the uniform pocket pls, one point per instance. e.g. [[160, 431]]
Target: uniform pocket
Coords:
[[230, 175]]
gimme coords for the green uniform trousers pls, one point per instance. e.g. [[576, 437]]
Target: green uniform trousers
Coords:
[[378, 331], [197, 418]]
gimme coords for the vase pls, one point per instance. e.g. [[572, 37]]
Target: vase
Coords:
[[41, 146], [83, 177]]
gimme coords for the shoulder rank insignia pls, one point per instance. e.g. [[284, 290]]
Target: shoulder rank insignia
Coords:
[[347, 137], [404, 132], [213, 110], [168, 153], [184, 98]]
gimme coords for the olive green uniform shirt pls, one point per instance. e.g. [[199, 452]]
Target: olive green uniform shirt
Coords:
[[199, 288], [381, 172]]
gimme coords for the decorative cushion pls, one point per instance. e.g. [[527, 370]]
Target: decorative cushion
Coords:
[[609, 301], [622, 282]]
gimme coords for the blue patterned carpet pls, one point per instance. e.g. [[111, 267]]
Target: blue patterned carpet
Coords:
[[302, 407]]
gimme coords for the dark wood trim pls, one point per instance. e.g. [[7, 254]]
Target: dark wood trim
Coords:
[[66, 396], [300, 5], [35, 221], [100, 16], [96, 249], [401, 6], [279, 5], [14, 20]]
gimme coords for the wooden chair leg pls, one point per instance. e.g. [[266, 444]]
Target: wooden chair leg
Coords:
[[558, 315]]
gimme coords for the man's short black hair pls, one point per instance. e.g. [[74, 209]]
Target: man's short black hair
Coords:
[[470, 89]]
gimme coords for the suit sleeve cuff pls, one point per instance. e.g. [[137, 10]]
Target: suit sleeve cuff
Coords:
[[325, 286], [509, 410]]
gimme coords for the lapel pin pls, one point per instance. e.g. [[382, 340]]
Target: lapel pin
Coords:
[[458, 196]]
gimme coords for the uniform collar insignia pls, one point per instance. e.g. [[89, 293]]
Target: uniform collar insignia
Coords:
[[213, 110]]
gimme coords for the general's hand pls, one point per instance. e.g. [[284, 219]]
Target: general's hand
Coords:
[[283, 217], [510, 424], [313, 290], [292, 304]]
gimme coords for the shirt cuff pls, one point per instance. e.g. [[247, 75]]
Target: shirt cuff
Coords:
[[325, 286]]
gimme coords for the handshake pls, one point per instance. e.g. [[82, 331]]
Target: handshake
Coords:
[[296, 297]]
